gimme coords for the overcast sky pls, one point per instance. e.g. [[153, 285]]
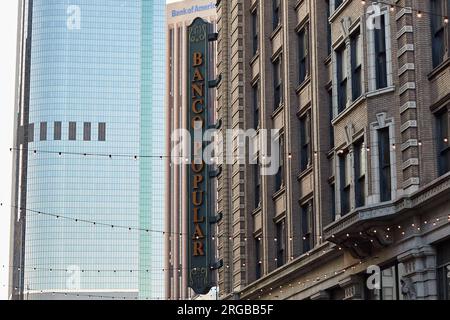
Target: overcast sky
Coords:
[[8, 29]]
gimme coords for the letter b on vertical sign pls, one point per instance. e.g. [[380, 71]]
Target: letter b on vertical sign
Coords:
[[199, 226]]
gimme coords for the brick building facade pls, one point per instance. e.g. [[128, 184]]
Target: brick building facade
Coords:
[[361, 94]]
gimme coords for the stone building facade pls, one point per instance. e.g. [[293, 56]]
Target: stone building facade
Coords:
[[361, 93]]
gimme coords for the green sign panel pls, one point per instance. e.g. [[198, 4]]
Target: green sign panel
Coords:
[[200, 251]]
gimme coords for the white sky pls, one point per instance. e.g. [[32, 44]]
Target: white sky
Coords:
[[8, 29]]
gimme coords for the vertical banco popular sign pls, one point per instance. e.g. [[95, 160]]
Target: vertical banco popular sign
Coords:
[[200, 253]]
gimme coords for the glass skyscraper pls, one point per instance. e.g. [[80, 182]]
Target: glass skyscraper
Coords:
[[89, 136]]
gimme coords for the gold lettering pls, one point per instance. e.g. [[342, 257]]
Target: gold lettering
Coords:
[[197, 168], [195, 103], [198, 90], [198, 249], [197, 219], [197, 180], [197, 59], [198, 75], [195, 200]]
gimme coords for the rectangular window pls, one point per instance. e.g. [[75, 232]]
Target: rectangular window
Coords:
[[380, 54], [277, 83], [255, 31], [345, 180], [30, 132], [356, 51], [102, 131], [305, 141], [256, 115], [333, 201], [303, 53], [87, 131], [281, 243], [43, 131], [258, 259], [442, 120], [257, 177], [57, 132], [337, 3], [360, 173], [276, 13], [328, 27], [307, 226], [330, 112], [439, 30], [279, 177], [72, 131], [384, 149], [341, 62]]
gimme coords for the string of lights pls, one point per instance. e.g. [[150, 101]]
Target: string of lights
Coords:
[[66, 294], [368, 148], [420, 13], [389, 228]]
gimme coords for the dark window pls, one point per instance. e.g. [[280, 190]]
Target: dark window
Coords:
[[341, 78], [102, 131], [443, 270], [57, 130], [257, 177], [305, 141], [256, 115], [255, 31], [439, 29], [380, 54], [337, 3], [30, 133], [360, 173], [87, 131], [276, 13], [43, 131], [330, 110], [307, 226], [385, 164], [258, 258], [72, 131], [328, 28], [355, 44], [277, 83], [279, 177], [281, 243], [442, 119], [345, 180], [333, 201], [303, 40]]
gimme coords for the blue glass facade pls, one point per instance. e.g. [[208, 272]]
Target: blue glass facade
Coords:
[[96, 86]]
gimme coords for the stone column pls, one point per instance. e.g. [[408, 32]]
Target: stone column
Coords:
[[419, 281]]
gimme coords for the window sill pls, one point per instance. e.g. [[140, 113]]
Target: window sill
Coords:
[[339, 10], [327, 60], [279, 193], [303, 84], [380, 92], [277, 110], [305, 172], [443, 65], [254, 58], [256, 211], [349, 109], [275, 31]]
